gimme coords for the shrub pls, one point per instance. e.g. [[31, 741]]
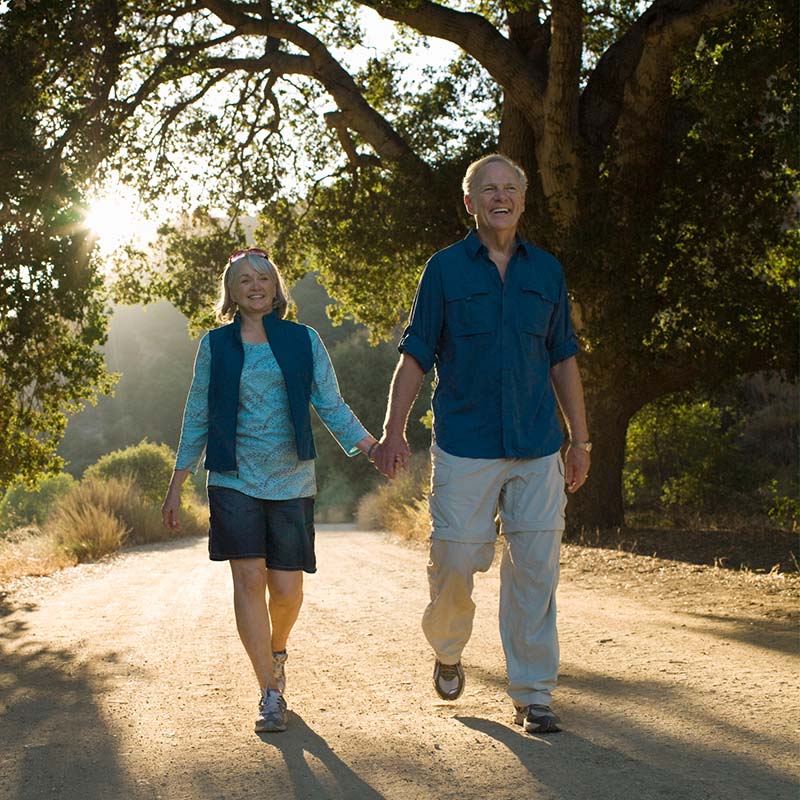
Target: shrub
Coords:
[[784, 509], [27, 551], [90, 532], [401, 505], [148, 464], [26, 505], [684, 454]]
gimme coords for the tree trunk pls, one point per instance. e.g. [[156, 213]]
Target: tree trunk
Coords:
[[599, 503]]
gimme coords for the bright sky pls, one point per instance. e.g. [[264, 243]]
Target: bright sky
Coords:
[[115, 214]]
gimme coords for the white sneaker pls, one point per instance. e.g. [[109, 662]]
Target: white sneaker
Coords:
[[279, 670], [272, 712]]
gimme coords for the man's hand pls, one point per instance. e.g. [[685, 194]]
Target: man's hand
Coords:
[[391, 454], [576, 467]]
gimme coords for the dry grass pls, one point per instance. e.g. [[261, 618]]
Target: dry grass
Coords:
[[87, 532], [95, 518], [400, 505], [28, 551]]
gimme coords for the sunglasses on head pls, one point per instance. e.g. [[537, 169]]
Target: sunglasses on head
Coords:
[[256, 251]]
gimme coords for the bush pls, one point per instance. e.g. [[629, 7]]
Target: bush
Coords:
[[26, 505], [148, 464], [131, 518], [27, 551], [684, 454], [401, 505], [92, 533]]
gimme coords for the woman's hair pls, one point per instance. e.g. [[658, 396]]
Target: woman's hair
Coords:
[[476, 166], [259, 261]]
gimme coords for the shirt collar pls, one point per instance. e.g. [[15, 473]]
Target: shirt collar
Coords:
[[474, 245]]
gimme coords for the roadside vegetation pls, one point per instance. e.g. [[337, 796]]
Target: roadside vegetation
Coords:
[[711, 479], [63, 521]]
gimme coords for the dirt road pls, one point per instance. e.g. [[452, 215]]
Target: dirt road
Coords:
[[126, 680]]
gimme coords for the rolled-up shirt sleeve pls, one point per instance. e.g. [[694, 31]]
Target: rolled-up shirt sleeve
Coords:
[[562, 343], [424, 328], [194, 431], [327, 401]]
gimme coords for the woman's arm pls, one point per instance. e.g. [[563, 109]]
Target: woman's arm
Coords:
[[194, 433], [335, 414], [194, 430]]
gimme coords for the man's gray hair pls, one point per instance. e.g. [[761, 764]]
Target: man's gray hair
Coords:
[[226, 307], [476, 166]]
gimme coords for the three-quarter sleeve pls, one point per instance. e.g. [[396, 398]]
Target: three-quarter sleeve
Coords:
[[561, 340], [194, 431], [327, 401], [421, 336]]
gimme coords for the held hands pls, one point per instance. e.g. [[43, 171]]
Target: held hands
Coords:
[[391, 455], [576, 466]]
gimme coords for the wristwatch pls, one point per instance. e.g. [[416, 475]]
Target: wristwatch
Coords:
[[587, 446]]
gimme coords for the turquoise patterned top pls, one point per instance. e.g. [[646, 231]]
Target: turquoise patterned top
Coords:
[[266, 455]]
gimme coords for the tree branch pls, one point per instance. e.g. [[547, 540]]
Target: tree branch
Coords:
[[274, 63], [357, 114], [522, 83], [631, 75], [335, 120]]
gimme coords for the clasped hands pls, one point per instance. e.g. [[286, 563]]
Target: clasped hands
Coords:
[[391, 455]]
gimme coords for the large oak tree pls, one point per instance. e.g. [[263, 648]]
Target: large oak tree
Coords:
[[657, 138]]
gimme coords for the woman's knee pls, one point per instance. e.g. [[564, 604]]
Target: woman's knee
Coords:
[[250, 578], [285, 588]]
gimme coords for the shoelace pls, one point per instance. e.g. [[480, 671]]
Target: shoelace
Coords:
[[272, 703]]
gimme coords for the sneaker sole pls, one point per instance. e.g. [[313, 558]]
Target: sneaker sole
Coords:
[[267, 728]]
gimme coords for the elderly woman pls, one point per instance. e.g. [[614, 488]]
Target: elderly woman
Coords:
[[248, 406]]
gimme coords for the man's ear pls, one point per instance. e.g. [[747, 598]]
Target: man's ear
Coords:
[[468, 204]]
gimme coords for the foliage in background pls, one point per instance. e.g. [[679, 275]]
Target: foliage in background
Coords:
[[658, 138], [364, 373], [732, 455], [58, 69], [26, 505], [96, 517], [147, 464], [400, 505], [153, 353]]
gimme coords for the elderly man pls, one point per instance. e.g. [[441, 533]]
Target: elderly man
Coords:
[[491, 314]]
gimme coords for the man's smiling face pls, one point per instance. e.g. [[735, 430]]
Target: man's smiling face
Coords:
[[496, 198]]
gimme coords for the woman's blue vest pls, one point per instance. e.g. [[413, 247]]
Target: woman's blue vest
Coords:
[[291, 345]]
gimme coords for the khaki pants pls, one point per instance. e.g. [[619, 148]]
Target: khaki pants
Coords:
[[528, 492]]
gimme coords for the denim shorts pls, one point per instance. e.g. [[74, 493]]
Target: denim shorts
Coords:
[[280, 531]]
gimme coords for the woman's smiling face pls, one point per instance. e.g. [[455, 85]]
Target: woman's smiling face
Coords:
[[253, 291]]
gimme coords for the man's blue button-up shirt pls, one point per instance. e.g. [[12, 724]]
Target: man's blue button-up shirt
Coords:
[[493, 343]]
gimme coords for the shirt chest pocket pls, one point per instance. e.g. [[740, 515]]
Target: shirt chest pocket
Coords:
[[469, 312], [535, 309]]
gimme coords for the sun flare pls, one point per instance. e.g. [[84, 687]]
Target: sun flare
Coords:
[[116, 221]]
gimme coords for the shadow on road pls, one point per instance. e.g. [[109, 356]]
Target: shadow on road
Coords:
[[613, 752], [686, 772], [778, 635], [298, 742], [47, 699]]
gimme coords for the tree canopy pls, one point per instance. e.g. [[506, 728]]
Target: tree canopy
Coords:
[[657, 137], [54, 79]]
